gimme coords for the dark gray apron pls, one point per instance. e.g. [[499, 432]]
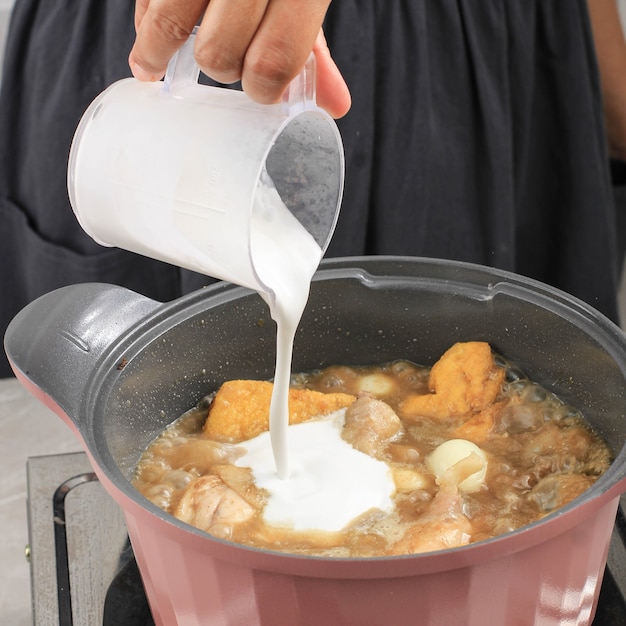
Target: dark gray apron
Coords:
[[475, 134]]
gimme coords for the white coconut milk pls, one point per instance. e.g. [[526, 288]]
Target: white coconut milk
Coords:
[[285, 257], [330, 483], [324, 483]]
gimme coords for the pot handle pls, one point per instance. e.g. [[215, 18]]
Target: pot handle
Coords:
[[54, 343]]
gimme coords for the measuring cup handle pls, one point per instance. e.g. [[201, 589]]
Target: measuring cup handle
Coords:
[[300, 94], [183, 71]]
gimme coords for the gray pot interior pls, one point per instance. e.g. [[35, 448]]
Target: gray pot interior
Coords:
[[361, 311]]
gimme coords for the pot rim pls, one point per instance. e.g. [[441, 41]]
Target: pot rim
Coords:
[[392, 269], [608, 487]]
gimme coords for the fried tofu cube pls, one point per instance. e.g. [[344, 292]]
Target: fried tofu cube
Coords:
[[241, 408], [478, 427], [463, 382]]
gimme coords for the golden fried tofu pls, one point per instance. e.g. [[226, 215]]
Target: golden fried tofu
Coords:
[[241, 408], [464, 381], [478, 427]]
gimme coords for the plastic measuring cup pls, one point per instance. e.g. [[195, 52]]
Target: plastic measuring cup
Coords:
[[172, 170]]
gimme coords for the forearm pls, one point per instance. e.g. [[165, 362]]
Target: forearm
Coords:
[[610, 44]]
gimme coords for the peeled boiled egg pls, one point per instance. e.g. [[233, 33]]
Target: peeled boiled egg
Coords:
[[451, 452]]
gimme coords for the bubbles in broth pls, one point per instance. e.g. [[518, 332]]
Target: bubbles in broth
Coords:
[[391, 459]]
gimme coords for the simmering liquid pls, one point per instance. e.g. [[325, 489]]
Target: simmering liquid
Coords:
[[449, 462]]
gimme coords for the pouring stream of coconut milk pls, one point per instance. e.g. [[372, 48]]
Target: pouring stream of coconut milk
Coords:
[[333, 483], [285, 257]]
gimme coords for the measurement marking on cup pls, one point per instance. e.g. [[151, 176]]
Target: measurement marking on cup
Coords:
[[195, 209], [200, 188]]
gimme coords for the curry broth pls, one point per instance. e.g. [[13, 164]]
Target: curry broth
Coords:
[[540, 455]]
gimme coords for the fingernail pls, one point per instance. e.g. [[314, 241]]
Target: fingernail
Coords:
[[141, 74]]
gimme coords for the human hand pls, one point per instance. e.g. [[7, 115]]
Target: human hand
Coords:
[[263, 43]]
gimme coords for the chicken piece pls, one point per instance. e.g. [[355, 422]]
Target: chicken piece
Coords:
[[552, 439], [200, 455], [444, 525], [516, 418], [241, 408], [463, 382], [556, 490], [210, 505], [370, 424], [241, 480]]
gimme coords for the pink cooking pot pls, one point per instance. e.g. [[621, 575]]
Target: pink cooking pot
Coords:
[[118, 367]]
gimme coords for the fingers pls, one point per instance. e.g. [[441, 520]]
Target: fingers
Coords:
[[281, 47], [263, 43], [162, 27], [141, 6], [333, 94], [222, 41]]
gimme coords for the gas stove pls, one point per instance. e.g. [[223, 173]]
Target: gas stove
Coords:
[[83, 572]]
